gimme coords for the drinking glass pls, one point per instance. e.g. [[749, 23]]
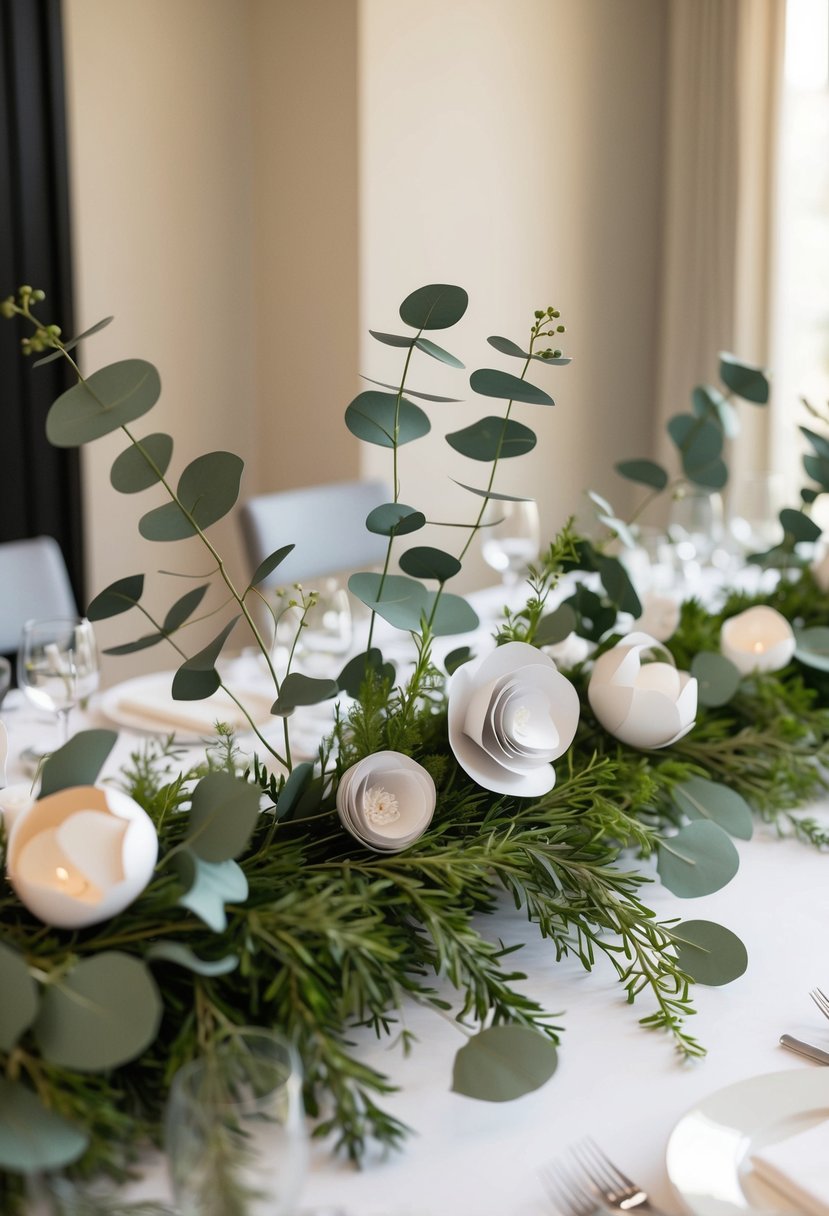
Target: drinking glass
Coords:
[[754, 506], [57, 666], [695, 528], [512, 540], [234, 1131]]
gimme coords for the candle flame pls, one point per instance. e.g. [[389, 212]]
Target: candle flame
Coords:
[[62, 874], [758, 647]]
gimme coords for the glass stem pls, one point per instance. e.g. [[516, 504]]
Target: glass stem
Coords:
[[63, 724]]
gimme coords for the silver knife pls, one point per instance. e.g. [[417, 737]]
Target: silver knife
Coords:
[[805, 1049]]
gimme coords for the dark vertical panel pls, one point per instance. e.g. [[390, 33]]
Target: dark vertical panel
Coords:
[[39, 486]]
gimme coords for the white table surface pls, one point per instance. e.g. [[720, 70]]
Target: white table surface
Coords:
[[615, 1081]]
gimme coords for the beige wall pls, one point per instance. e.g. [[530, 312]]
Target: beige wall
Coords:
[[514, 148], [255, 182]]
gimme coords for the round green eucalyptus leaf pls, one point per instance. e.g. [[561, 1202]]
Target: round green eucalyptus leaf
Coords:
[[296, 783], [105, 401], [452, 615], [209, 886], [436, 306], [437, 352], [19, 1003], [395, 519], [392, 339], [744, 379], [410, 392], [183, 956], [371, 417], [101, 1014], [490, 382], [184, 608], [502, 1063], [813, 647], [616, 581], [297, 689], [78, 762], [143, 464], [818, 469], [555, 626], [32, 1137], [491, 493], [711, 476], [699, 798], [425, 562], [118, 597], [353, 675], [197, 677], [708, 952], [717, 678], [505, 346], [708, 402], [397, 599], [699, 440], [808, 495], [207, 489], [142, 643], [223, 813], [493, 438], [698, 860], [800, 526], [643, 472]]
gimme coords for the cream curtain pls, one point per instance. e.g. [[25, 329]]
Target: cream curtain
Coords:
[[725, 61]]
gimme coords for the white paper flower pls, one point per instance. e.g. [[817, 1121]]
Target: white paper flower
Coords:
[[14, 800], [759, 639], [820, 572], [660, 617], [386, 801], [81, 855], [511, 713], [638, 695], [569, 652]]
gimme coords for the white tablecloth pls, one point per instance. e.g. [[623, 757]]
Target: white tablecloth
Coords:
[[617, 1082]]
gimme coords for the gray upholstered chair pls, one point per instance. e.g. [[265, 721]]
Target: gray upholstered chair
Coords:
[[326, 524], [33, 583]]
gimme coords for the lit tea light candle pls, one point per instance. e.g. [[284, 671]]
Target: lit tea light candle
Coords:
[[759, 639], [81, 855]]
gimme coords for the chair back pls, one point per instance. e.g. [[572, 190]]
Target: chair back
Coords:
[[325, 523], [33, 583]]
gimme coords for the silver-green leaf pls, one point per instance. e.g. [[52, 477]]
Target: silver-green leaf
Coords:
[[502, 1063]]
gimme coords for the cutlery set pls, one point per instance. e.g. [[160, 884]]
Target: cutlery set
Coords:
[[587, 1183]]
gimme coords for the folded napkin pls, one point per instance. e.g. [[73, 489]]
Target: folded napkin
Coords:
[[798, 1167], [155, 704]]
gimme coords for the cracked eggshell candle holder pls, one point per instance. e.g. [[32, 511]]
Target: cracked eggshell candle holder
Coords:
[[759, 639], [639, 696], [79, 856]]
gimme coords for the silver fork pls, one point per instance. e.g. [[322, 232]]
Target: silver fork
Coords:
[[821, 1000], [596, 1181]]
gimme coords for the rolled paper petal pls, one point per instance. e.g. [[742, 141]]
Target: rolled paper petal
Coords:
[[511, 713], [386, 801], [647, 705], [80, 856], [759, 639]]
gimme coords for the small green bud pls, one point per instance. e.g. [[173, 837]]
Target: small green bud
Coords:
[[7, 307], [54, 331], [556, 354], [38, 295], [555, 313], [551, 311], [559, 329], [538, 314], [25, 291]]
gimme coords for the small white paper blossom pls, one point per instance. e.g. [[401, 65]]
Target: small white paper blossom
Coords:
[[638, 695], [79, 856], [511, 713], [386, 801], [569, 652], [660, 617], [759, 639]]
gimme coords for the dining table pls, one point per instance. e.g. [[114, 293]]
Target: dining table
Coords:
[[616, 1082]]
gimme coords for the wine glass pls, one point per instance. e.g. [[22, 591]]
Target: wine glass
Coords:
[[57, 665], [695, 529], [235, 1133], [328, 630], [512, 539], [754, 507]]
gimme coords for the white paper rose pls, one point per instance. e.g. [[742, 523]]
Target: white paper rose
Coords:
[[386, 801], [569, 652], [81, 855], [511, 713], [14, 800], [660, 617], [759, 639], [638, 695]]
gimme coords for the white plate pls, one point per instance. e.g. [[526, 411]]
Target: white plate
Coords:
[[143, 702], [709, 1152]]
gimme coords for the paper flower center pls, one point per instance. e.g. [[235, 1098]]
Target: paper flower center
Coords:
[[380, 807]]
